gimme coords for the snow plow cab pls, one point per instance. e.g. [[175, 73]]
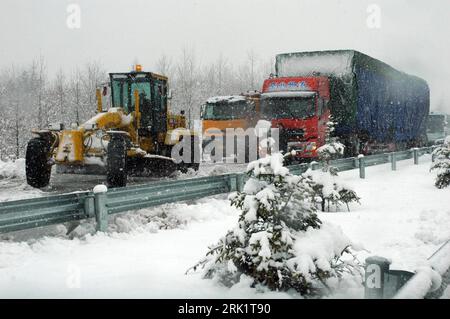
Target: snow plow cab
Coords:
[[135, 135]]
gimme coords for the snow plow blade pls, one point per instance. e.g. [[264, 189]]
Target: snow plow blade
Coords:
[[157, 166]]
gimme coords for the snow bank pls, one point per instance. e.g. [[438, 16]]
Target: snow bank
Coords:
[[12, 169], [440, 261], [170, 216], [427, 279], [424, 281]]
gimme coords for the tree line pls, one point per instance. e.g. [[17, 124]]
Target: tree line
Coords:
[[30, 98]]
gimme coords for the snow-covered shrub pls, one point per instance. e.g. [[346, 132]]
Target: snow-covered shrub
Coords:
[[325, 183], [332, 149], [279, 241], [328, 190], [441, 164]]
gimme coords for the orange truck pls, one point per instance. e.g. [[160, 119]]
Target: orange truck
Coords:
[[233, 111]]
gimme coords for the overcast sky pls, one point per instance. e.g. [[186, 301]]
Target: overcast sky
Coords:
[[413, 35]]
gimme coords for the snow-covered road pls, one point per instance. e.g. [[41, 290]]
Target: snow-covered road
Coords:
[[145, 253], [13, 183]]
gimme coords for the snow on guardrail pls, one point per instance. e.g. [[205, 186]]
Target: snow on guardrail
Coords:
[[429, 282]]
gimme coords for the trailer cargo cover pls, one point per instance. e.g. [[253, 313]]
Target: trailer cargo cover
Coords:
[[368, 97]]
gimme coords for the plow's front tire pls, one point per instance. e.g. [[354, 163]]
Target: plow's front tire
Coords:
[[37, 166], [116, 168]]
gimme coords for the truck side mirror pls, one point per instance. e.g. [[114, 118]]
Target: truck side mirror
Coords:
[[169, 94]]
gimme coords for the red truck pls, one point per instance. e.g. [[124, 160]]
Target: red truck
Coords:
[[375, 108], [297, 106]]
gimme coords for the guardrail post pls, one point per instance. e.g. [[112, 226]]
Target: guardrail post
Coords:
[[393, 161], [240, 182], [233, 182], [377, 268], [313, 165], [101, 211], [89, 206], [362, 166], [416, 156]]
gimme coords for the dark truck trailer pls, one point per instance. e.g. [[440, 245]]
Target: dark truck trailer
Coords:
[[371, 102]]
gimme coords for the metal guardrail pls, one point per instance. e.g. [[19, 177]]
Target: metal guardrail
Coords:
[[136, 197], [44, 211], [384, 283]]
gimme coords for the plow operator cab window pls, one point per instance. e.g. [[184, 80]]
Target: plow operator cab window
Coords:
[[152, 97]]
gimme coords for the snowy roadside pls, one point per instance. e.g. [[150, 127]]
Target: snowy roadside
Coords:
[[13, 185], [134, 260], [403, 216], [145, 254]]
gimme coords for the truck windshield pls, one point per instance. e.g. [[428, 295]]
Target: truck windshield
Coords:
[[287, 107], [228, 111]]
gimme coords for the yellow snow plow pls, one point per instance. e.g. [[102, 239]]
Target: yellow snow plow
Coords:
[[135, 135]]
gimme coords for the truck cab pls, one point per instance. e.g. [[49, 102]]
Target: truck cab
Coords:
[[298, 106], [229, 112]]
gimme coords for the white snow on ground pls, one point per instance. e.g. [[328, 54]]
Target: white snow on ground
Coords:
[[12, 169], [13, 185], [146, 262], [401, 212], [402, 217]]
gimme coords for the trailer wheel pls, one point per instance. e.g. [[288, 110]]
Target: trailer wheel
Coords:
[[37, 167], [116, 164]]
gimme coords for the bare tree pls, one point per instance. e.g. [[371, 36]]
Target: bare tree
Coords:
[[60, 92], [75, 93], [187, 82], [40, 88], [92, 76], [29, 98], [251, 60], [164, 65]]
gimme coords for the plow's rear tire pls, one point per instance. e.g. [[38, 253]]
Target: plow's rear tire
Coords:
[[116, 167], [37, 168]]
